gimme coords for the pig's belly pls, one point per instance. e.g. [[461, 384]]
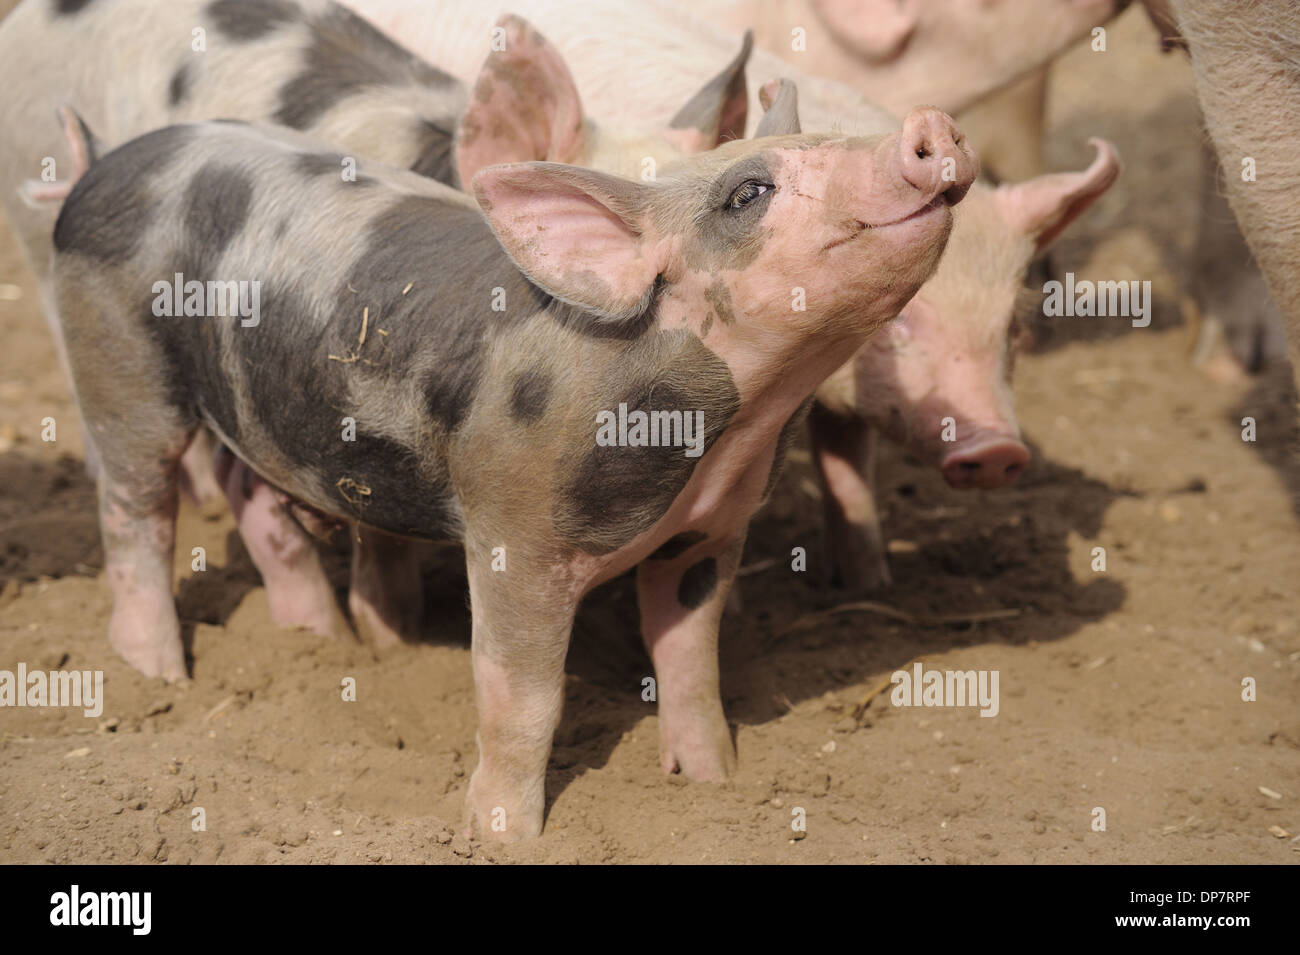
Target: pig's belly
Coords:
[[373, 482]]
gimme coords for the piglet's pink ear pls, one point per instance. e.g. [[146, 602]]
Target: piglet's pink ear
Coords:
[[524, 105], [1041, 208], [875, 29], [576, 233]]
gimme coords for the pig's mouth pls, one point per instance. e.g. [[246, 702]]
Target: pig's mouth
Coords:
[[858, 227]]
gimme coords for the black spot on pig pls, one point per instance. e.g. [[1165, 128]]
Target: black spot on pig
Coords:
[[698, 583], [434, 154], [299, 396], [251, 19], [529, 396], [406, 495], [109, 209], [66, 8], [179, 86], [193, 347], [719, 296], [421, 255], [678, 544], [345, 55], [617, 492], [216, 207]]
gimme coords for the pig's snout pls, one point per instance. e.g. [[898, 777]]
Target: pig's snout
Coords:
[[936, 158], [987, 463]]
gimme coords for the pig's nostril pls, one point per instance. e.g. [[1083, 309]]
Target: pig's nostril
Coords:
[[969, 466], [1013, 470]]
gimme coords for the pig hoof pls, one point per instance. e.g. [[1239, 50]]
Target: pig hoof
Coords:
[[165, 658], [708, 760], [382, 631], [298, 614], [302, 599], [491, 818]]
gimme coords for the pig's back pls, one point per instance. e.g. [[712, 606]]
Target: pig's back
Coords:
[[130, 66], [270, 209], [634, 66]]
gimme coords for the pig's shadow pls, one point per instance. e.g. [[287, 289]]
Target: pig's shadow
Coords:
[[960, 552], [1271, 401], [212, 596]]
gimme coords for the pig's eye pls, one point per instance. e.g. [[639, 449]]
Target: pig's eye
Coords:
[[747, 193]]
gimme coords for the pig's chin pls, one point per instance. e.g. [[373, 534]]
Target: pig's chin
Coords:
[[928, 223], [934, 215], [912, 242], [913, 245]]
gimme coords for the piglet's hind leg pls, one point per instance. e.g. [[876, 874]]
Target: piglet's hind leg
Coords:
[[298, 591], [138, 521]]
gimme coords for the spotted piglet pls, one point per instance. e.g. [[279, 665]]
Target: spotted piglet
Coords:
[[313, 66], [580, 375]]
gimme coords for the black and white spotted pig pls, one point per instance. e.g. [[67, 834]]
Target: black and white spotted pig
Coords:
[[674, 296], [128, 66]]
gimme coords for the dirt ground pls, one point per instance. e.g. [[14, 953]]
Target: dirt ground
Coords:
[[1120, 690]]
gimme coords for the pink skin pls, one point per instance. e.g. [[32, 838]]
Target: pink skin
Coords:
[[38, 192], [694, 738], [948, 356], [900, 52], [198, 480], [966, 385], [848, 219], [987, 461], [298, 592], [386, 596], [143, 627]]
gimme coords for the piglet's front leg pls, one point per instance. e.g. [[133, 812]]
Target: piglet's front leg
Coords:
[[681, 595], [523, 616]]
